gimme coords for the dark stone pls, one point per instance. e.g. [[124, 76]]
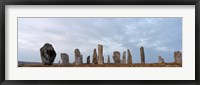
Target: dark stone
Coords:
[[124, 58], [88, 60], [142, 55], [108, 59], [65, 58], [81, 59], [116, 57], [94, 60], [129, 60], [161, 60], [48, 54], [78, 57], [178, 57]]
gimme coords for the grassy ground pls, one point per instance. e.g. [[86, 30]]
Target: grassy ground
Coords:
[[106, 65]]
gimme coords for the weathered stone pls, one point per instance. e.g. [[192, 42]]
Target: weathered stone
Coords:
[[78, 57], [116, 57], [88, 60], [94, 60], [100, 54], [48, 54], [177, 57], [129, 60], [78, 61], [161, 60], [142, 55], [65, 58], [81, 59], [124, 58], [108, 59]]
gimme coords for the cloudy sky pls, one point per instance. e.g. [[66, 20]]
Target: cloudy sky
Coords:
[[158, 36]]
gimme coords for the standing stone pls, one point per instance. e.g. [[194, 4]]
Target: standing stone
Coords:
[[177, 57], [88, 60], [48, 54], [108, 59], [129, 60], [116, 57], [142, 55], [78, 61], [100, 54], [81, 59], [65, 58], [78, 57], [94, 60], [161, 60], [124, 58]]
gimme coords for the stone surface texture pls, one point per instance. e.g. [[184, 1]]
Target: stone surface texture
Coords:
[[94, 56], [178, 57], [100, 54], [124, 58], [142, 55], [116, 57], [65, 58], [48, 54], [129, 60]]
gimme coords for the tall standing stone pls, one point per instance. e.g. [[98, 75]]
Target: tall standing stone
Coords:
[[177, 57], [65, 58], [88, 60], [161, 60], [94, 60], [116, 57], [100, 54], [48, 54], [142, 55], [81, 59], [124, 58], [108, 59], [78, 57], [129, 60]]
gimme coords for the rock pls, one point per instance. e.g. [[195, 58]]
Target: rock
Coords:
[[108, 59], [81, 59], [94, 60], [161, 60], [142, 55], [116, 57], [48, 54], [78, 57], [78, 61], [124, 58], [100, 54], [129, 60], [177, 57], [88, 60], [65, 58]]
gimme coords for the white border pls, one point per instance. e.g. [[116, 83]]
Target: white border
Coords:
[[187, 72]]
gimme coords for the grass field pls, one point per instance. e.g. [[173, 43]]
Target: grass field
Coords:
[[106, 65]]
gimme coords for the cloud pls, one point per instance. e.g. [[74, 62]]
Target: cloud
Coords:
[[159, 36]]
